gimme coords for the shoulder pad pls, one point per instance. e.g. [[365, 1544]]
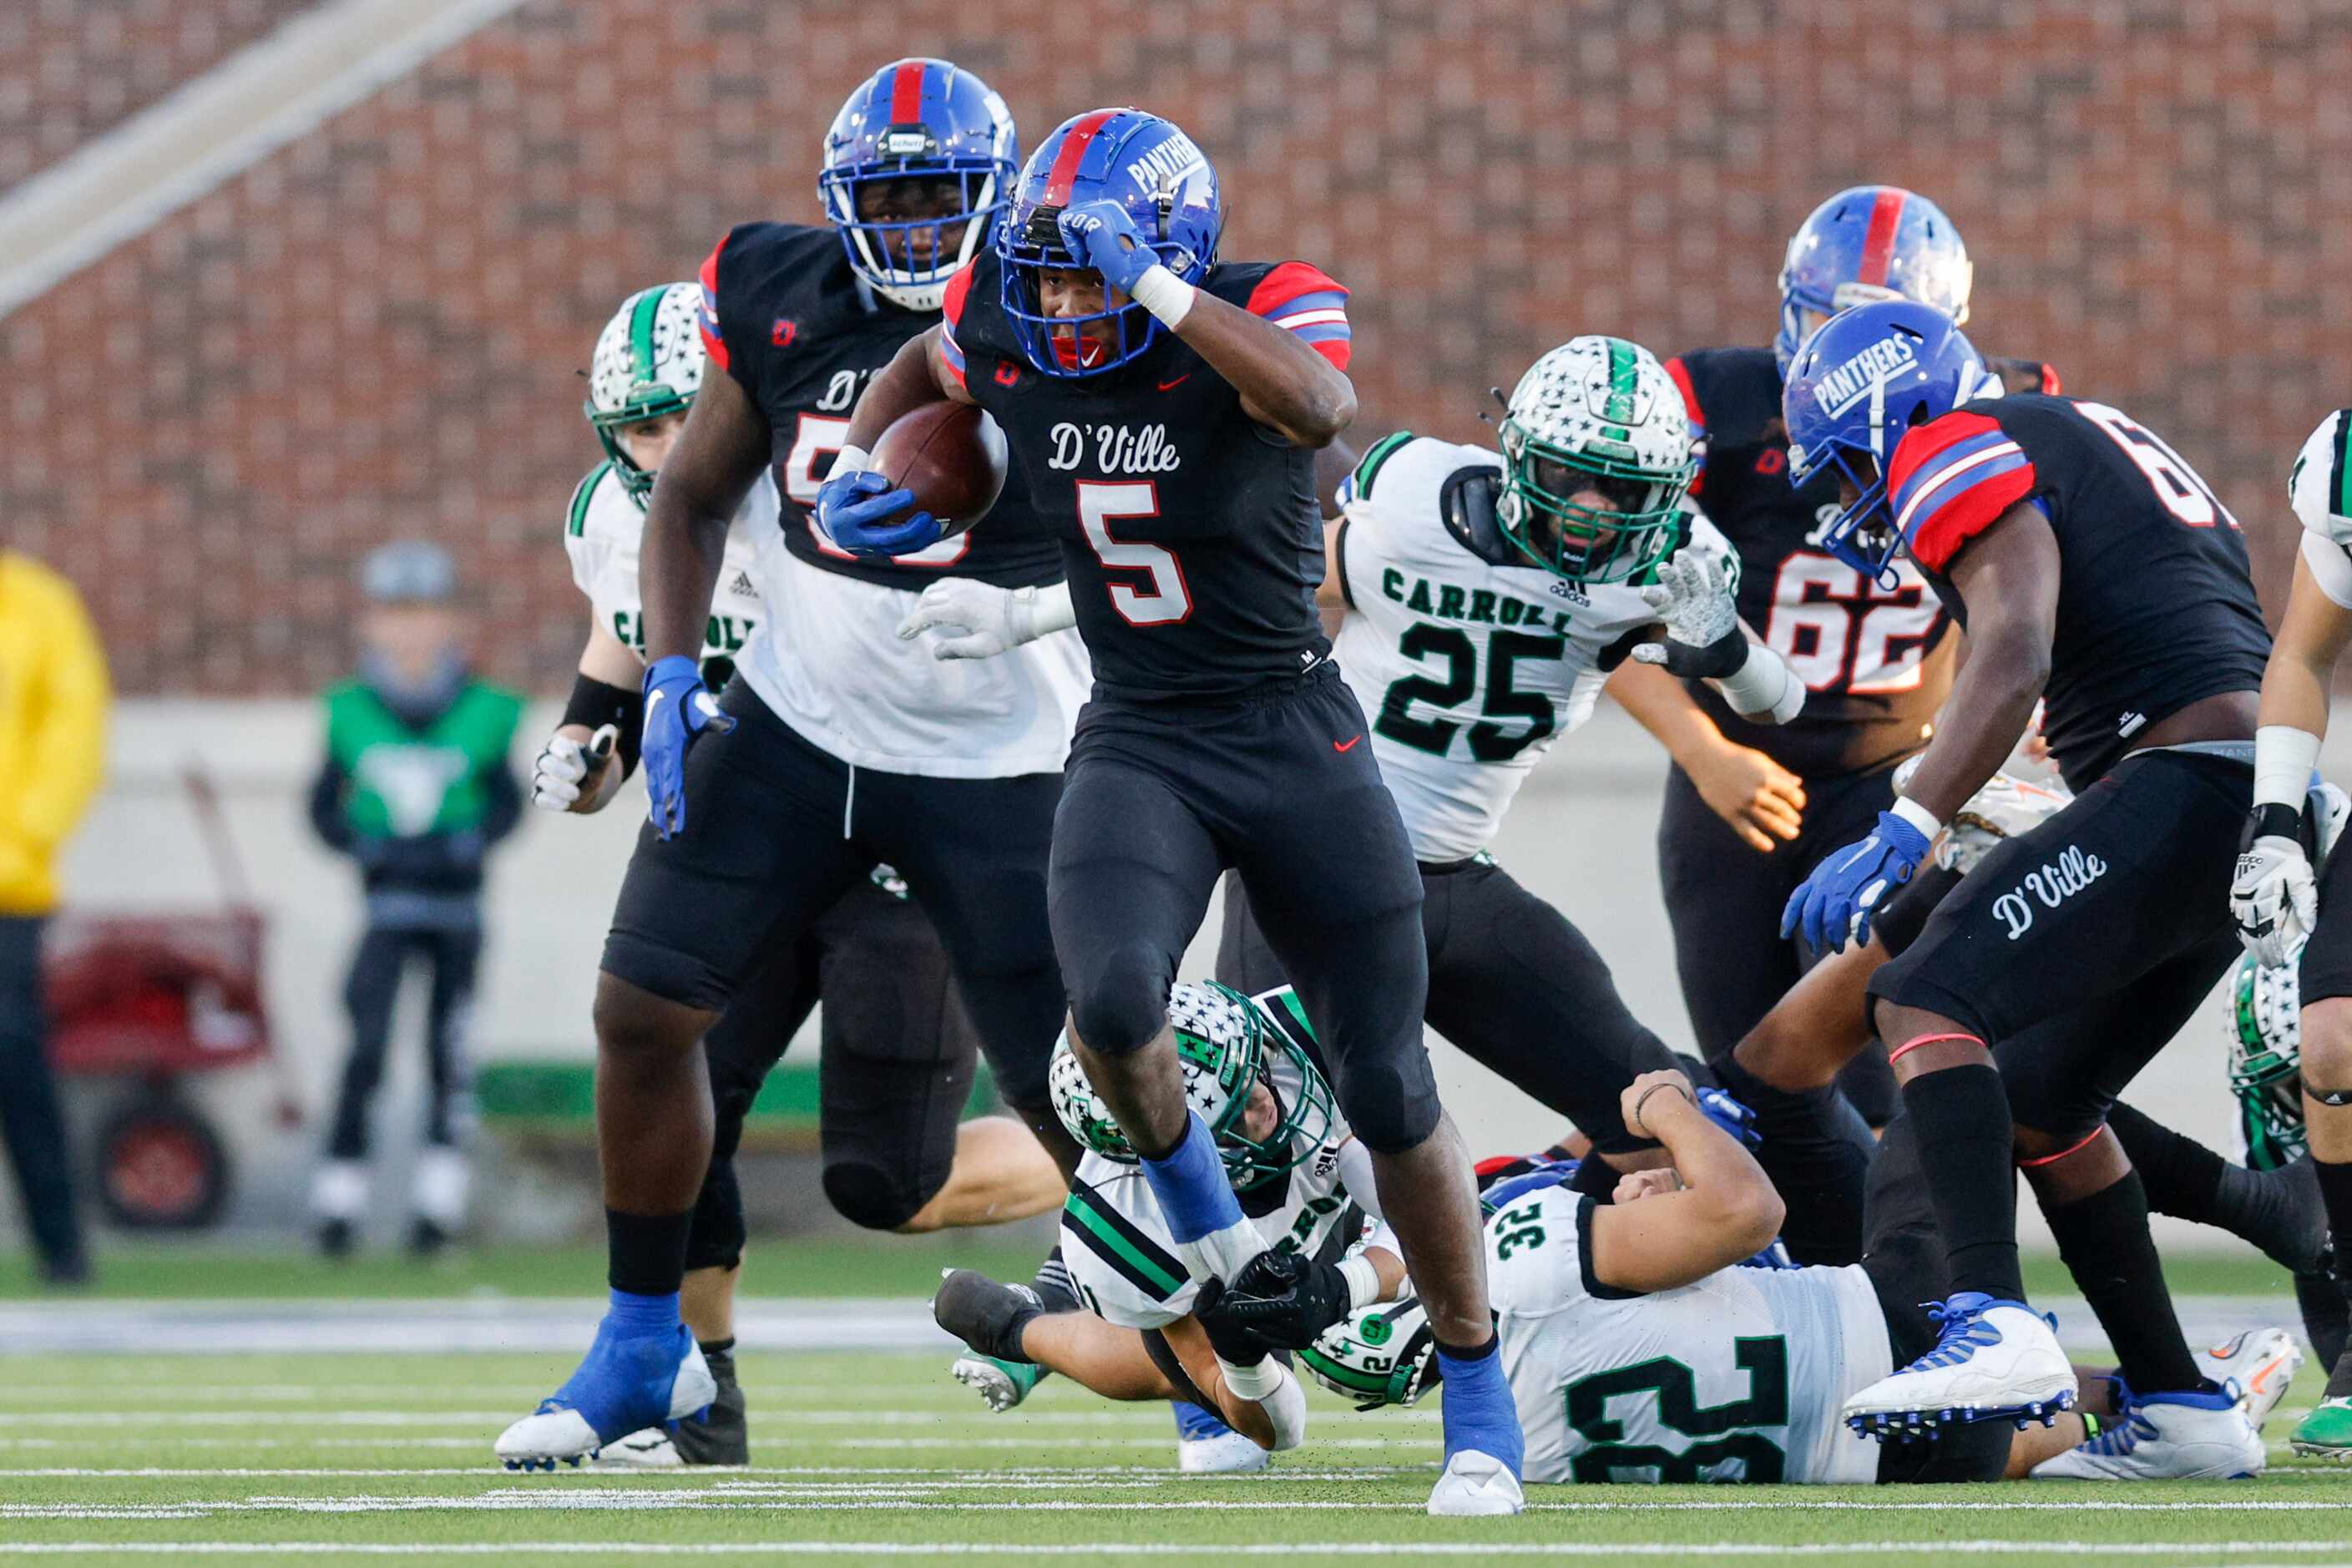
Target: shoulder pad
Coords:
[[1466, 502], [2023, 374], [1368, 466], [2316, 485], [575, 523], [1737, 392], [1235, 281]]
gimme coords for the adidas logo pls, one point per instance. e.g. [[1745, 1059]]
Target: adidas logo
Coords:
[[743, 585]]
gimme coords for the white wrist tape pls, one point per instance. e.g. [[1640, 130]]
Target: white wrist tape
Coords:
[[2284, 757], [850, 460], [1270, 1387], [1052, 610], [1918, 816], [1363, 1282], [1252, 1382], [1764, 688], [1166, 296]]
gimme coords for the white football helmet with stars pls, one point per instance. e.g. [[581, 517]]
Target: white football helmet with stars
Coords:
[[648, 362], [1595, 413]]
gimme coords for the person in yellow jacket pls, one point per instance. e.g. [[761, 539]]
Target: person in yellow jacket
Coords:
[[53, 699]]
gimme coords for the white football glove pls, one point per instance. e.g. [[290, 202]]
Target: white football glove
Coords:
[[1692, 596], [2274, 899], [564, 765], [986, 620]]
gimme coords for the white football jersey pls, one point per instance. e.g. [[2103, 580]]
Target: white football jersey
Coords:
[[1739, 1378], [837, 672], [2316, 489], [1469, 671], [602, 533], [1121, 1252]]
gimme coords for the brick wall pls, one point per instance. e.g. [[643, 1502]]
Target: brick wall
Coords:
[[72, 69], [376, 331]]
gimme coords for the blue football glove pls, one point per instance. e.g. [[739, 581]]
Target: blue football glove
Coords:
[[1833, 905], [1731, 1115], [855, 510], [1105, 237], [678, 707]]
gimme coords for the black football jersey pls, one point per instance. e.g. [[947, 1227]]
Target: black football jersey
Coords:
[[1877, 661], [784, 315], [1192, 535], [2156, 608]]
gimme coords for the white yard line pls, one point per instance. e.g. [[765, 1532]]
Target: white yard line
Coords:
[[618, 1550]]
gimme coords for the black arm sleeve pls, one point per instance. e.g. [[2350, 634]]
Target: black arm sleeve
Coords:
[[326, 807], [594, 704]]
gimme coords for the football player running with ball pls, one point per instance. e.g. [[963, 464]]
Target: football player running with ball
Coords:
[[1485, 597], [831, 751], [2089, 563], [899, 1055], [1167, 409], [2277, 899]]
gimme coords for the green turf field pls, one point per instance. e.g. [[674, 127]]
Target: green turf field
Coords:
[[879, 1457]]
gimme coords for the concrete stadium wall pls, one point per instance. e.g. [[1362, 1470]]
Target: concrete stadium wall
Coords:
[[1581, 834]]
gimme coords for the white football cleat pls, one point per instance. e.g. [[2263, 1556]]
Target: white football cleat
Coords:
[[2261, 1362], [2168, 1437], [1476, 1485], [1994, 1359], [1230, 1455], [650, 1449]]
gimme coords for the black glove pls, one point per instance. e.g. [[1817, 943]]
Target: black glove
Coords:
[[1285, 1300], [1235, 1345]]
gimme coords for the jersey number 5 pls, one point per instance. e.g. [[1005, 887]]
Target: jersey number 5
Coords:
[[1167, 601]]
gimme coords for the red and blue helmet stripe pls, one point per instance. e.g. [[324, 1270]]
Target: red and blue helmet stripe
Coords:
[[1147, 165], [927, 120], [1854, 390], [1867, 244]]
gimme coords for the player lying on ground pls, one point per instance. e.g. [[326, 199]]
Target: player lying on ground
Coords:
[[1166, 407], [2018, 510], [1641, 1347], [833, 749], [899, 1053], [1143, 1324], [2275, 898]]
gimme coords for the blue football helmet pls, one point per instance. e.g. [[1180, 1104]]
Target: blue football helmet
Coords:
[[1858, 385], [1871, 243], [922, 120], [1167, 187]]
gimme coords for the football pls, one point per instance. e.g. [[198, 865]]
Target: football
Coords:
[[951, 456]]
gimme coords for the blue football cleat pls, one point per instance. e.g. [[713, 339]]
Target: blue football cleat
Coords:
[[632, 1378]]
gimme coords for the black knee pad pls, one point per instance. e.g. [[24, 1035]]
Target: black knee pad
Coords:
[[878, 1199], [1123, 1004], [715, 1240]]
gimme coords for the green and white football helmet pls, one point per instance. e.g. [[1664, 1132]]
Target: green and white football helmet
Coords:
[[1595, 413], [648, 362], [1380, 1354], [2266, 1059], [1224, 1045]]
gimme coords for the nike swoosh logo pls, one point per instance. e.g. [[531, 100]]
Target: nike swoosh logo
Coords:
[[1171, 385], [656, 697], [1344, 745]]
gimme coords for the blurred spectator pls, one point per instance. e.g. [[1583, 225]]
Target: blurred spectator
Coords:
[[53, 698], [416, 788]]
